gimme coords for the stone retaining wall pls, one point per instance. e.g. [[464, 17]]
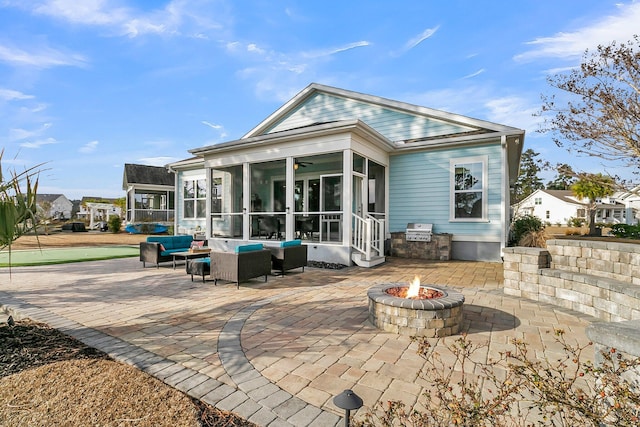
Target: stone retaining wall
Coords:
[[614, 260], [439, 248], [601, 279]]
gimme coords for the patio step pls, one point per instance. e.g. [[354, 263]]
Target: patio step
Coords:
[[360, 260]]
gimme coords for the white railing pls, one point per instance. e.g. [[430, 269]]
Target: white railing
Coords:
[[368, 236]]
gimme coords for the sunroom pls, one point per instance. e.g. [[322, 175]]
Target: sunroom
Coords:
[[326, 184]]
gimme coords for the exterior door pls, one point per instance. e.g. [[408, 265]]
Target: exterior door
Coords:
[[357, 194], [331, 208]]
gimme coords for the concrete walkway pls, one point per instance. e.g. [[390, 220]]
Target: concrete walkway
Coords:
[[275, 353]]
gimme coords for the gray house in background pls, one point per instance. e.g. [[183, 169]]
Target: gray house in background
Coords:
[[55, 206], [150, 194]]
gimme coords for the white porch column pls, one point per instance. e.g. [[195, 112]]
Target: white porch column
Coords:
[[91, 213], [347, 199], [246, 201], [290, 200]]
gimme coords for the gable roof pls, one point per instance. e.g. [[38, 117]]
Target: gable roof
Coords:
[[48, 197], [565, 196], [393, 125], [143, 174], [401, 123]]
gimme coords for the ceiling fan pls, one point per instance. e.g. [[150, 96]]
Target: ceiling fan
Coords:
[[298, 164]]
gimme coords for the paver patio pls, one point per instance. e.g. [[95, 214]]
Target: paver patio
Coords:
[[276, 353]]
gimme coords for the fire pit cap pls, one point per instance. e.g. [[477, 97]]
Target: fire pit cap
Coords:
[[450, 299]]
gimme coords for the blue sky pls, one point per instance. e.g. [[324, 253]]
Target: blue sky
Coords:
[[86, 86]]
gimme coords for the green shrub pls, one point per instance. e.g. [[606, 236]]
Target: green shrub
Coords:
[[523, 225], [576, 222], [115, 222], [626, 231]]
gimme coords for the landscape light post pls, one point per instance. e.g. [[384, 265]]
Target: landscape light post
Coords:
[[348, 401]]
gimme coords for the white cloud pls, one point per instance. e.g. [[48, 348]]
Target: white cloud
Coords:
[[17, 134], [481, 102], [89, 147], [177, 17], [157, 161], [88, 12], [299, 68], [252, 47], [38, 143], [570, 45], [477, 73], [421, 37], [12, 95], [220, 128], [514, 111], [334, 50], [211, 125], [40, 57]]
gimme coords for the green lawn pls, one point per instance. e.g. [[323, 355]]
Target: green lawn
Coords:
[[65, 255]]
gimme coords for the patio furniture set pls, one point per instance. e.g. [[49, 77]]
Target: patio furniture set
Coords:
[[246, 262]]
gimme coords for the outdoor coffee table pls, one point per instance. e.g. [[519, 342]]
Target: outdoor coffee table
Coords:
[[189, 255]]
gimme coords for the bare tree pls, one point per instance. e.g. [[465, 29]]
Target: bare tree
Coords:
[[600, 117]]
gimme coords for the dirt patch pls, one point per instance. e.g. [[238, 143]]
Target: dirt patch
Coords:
[[63, 239], [48, 378]]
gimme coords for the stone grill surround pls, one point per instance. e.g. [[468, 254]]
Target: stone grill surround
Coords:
[[433, 318], [439, 248]]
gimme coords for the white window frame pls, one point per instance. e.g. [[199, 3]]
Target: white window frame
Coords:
[[484, 160], [195, 199]]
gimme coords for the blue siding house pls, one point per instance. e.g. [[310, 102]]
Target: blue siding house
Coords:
[[342, 170]]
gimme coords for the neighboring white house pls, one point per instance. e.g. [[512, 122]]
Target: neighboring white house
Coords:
[[344, 169], [621, 207], [97, 209], [558, 207], [54, 206]]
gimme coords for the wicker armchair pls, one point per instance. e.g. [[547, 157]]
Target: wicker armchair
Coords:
[[240, 266], [288, 257]]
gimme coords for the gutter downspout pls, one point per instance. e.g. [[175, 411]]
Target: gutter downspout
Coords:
[[505, 197]]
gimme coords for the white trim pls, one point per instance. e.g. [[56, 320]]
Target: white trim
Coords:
[[505, 194]]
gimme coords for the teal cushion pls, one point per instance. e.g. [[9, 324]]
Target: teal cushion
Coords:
[[249, 248], [166, 241], [182, 242], [288, 243]]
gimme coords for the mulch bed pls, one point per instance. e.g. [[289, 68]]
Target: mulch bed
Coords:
[[28, 345]]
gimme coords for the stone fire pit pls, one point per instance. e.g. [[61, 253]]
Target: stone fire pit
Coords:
[[434, 317]]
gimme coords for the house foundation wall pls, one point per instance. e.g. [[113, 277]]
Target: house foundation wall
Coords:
[[439, 248]]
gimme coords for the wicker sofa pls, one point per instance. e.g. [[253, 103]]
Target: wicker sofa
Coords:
[[288, 255], [247, 262], [159, 249]]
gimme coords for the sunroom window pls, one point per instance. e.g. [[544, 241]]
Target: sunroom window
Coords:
[[195, 198], [468, 188]]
